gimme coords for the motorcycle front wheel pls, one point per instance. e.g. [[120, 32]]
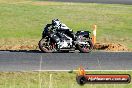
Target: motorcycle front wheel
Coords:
[[47, 46], [85, 48]]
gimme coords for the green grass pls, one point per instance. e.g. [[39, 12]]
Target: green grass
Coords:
[[22, 19], [58, 80]]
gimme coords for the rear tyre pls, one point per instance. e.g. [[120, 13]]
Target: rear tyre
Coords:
[[85, 48]]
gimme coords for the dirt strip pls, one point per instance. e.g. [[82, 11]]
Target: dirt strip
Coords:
[[97, 46], [110, 47]]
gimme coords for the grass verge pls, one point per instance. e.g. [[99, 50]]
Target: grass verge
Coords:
[[58, 80]]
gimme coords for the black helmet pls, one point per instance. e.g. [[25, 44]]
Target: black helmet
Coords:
[[55, 22]]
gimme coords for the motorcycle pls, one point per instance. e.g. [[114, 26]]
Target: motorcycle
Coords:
[[57, 37]]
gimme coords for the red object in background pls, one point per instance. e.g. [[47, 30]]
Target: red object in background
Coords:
[[81, 71], [83, 78], [108, 78]]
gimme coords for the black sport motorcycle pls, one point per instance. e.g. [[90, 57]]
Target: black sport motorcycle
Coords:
[[57, 37]]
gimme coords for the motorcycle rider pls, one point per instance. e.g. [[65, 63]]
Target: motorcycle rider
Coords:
[[58, 37], [61, 28]]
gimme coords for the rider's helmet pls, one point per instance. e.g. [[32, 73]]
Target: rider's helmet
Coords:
[[56, 23]]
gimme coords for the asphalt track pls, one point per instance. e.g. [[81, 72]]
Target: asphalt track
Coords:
[[34, 61], [99, 1]]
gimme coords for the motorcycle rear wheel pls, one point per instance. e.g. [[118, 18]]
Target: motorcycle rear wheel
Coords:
[[85, 49]]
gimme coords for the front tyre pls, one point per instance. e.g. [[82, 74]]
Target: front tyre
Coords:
[[46, 46], [85, 48]]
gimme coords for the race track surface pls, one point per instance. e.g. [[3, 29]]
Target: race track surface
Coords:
[[30, 61], [99, 1]]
